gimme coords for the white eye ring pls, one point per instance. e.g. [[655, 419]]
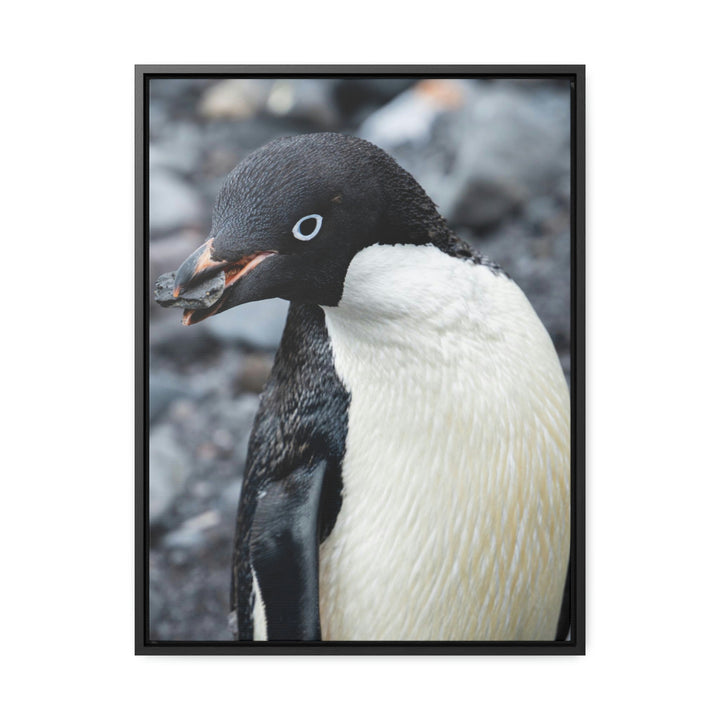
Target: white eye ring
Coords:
[[318, 225]]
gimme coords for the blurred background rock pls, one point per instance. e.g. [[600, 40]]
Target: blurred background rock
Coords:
[[493, 154]]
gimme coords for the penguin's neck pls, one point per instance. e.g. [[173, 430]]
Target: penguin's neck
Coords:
[[411, 217]]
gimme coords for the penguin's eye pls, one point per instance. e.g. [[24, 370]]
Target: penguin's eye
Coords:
[[306, 228]]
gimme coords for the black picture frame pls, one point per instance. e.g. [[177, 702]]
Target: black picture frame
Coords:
[[576, 645]]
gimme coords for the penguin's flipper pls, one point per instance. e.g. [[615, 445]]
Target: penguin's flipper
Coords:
[[284, 551]]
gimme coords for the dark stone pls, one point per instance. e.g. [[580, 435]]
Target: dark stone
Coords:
[[173, 204], [254, 373], [197, 297], [483, 203], [181, 346], [306, 101], [168, 254], [163, 390], [169, 470], [359, 96]]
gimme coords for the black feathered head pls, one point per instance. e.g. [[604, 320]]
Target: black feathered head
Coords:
[[292, 215]]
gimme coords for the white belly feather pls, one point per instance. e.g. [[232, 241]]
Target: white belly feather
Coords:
[[455, 522]]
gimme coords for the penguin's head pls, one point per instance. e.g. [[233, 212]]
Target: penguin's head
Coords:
[[290, 218]]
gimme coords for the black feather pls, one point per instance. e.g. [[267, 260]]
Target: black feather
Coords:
[[302, 422]]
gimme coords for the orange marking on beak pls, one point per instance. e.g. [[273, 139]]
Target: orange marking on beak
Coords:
[[244, 266], [205, 261], [232, 273]]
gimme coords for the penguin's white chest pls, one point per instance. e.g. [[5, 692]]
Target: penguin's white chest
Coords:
[[455, 521]]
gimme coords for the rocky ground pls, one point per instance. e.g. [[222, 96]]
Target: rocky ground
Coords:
[[494, 155]]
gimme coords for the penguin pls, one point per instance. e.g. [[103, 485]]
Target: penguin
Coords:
[[408, 471]]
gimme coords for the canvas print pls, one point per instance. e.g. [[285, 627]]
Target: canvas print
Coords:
[[358, 295]]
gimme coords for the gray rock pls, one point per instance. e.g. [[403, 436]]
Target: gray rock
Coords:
[[179, 150], [254, 373], [193, 531], [200, 296], [179, 345], [507, 140], [357, 97], [518, 136], [483, 203], [179, 90], [230, 496], [257, 325], [408, 119], [235, 99], [304, 100], [163, 390], [157, 599], [173, 204], [169, 469], [542, 213]]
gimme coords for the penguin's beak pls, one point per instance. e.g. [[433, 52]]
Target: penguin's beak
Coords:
[[201, 282], [194, 267]]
